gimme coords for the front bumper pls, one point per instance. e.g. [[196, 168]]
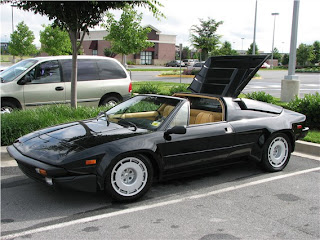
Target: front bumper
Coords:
[[56, 176]]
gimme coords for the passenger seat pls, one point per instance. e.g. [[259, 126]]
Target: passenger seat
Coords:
[[204, 117]]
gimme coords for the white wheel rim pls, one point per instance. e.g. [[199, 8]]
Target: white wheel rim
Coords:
[[278, 152], [6, 109], [111, 103], [129, 176]]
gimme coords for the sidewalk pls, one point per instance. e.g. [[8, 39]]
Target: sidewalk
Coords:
[[303, 149]]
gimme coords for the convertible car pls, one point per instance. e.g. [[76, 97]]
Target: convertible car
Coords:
[[154, 137]]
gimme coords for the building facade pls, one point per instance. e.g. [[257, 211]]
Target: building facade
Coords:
[[162, 51]]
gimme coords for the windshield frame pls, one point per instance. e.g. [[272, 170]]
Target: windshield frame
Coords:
[[164, 124], [27, 64]]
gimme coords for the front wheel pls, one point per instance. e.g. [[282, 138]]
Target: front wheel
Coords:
[[276, 153], [129, 179]]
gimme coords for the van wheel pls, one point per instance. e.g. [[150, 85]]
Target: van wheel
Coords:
[[7, 107], [110, 101]]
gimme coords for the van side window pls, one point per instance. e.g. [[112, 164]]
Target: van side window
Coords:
[[45, 72], [109, 69], [87, 70]]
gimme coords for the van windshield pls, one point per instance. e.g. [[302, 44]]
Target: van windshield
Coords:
[[15, 70]]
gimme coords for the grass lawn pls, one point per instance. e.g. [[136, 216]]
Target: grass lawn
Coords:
[[313, 136]]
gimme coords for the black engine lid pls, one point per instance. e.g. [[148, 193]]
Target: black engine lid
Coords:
[[226, 76]]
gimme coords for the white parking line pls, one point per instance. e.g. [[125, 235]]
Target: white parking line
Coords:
[[156, 205]]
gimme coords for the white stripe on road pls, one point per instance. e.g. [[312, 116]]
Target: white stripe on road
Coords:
[[156, 205]]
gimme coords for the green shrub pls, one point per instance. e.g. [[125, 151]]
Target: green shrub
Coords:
[[178, 88], [195, 72], [260, 96], [309, 106], [19, 123], [131, 62], [148, 89]]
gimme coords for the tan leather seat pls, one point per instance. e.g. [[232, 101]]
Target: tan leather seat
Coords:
[[167, 110], [204, 117]]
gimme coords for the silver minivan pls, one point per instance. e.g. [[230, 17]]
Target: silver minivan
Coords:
[[47, 80]]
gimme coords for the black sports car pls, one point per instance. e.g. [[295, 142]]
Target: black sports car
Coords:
[[153, 137]]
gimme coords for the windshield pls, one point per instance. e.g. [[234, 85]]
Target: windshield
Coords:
[[147, 112], [15, 70]]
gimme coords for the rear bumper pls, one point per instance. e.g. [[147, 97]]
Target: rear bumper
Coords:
[[303, 133], [56, 176]]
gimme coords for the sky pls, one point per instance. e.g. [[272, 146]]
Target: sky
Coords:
[[237, 16]]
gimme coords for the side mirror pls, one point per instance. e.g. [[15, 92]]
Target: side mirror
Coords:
[[174, 130], [24, 80]]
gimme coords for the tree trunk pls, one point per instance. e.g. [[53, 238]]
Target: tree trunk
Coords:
[[124, 61], [74, 72]]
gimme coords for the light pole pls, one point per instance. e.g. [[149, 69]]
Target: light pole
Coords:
[[254, 31], [274, 27], [242, 45], [290, 85], [12, 6]]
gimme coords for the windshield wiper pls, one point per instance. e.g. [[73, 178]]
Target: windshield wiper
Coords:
[[103, 114], [127, 123]]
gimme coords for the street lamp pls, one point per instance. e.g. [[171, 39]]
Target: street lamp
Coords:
[[12, 6], [274, 27], [254, 31], [242, 46]]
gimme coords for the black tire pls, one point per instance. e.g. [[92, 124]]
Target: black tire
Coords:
[[276, 153], [110, 101], [7, 107], [129, 178]]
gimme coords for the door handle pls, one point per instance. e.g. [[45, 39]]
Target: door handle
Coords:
[[59, 88], [228, 130]]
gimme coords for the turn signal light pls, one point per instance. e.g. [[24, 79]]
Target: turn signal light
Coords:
[[41, 171], [91, 162]]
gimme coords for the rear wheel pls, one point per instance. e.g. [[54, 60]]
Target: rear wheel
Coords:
[[276, 152], [129, 178], [110, 101]]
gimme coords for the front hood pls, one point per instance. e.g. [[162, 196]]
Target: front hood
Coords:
[[226, 76], [53, 144]]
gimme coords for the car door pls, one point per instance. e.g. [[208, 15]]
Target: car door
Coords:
[[200, 145], [44, 85]]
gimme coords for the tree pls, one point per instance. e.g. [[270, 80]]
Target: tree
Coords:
[[127, 36], [316, 52], [285, 59], [304, 54], [185, 53], [250, 49], [76, 17], [276, 54], [21, 41], [204, 37], [109, 53], [55, 41], [225, 49]]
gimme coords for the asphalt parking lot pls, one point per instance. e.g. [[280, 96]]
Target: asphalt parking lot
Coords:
[[238, 202]]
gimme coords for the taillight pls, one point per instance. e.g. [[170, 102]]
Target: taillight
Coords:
[[299, 126], [130, 87]]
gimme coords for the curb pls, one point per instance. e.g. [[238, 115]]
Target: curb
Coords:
[[302, 147]]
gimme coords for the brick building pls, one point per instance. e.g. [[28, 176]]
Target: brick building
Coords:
[[162, 51]]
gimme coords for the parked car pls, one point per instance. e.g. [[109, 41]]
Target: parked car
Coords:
[[190, 62], [154, 137], [265, 65], [175, 63], [197, 66], [47, 80]]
